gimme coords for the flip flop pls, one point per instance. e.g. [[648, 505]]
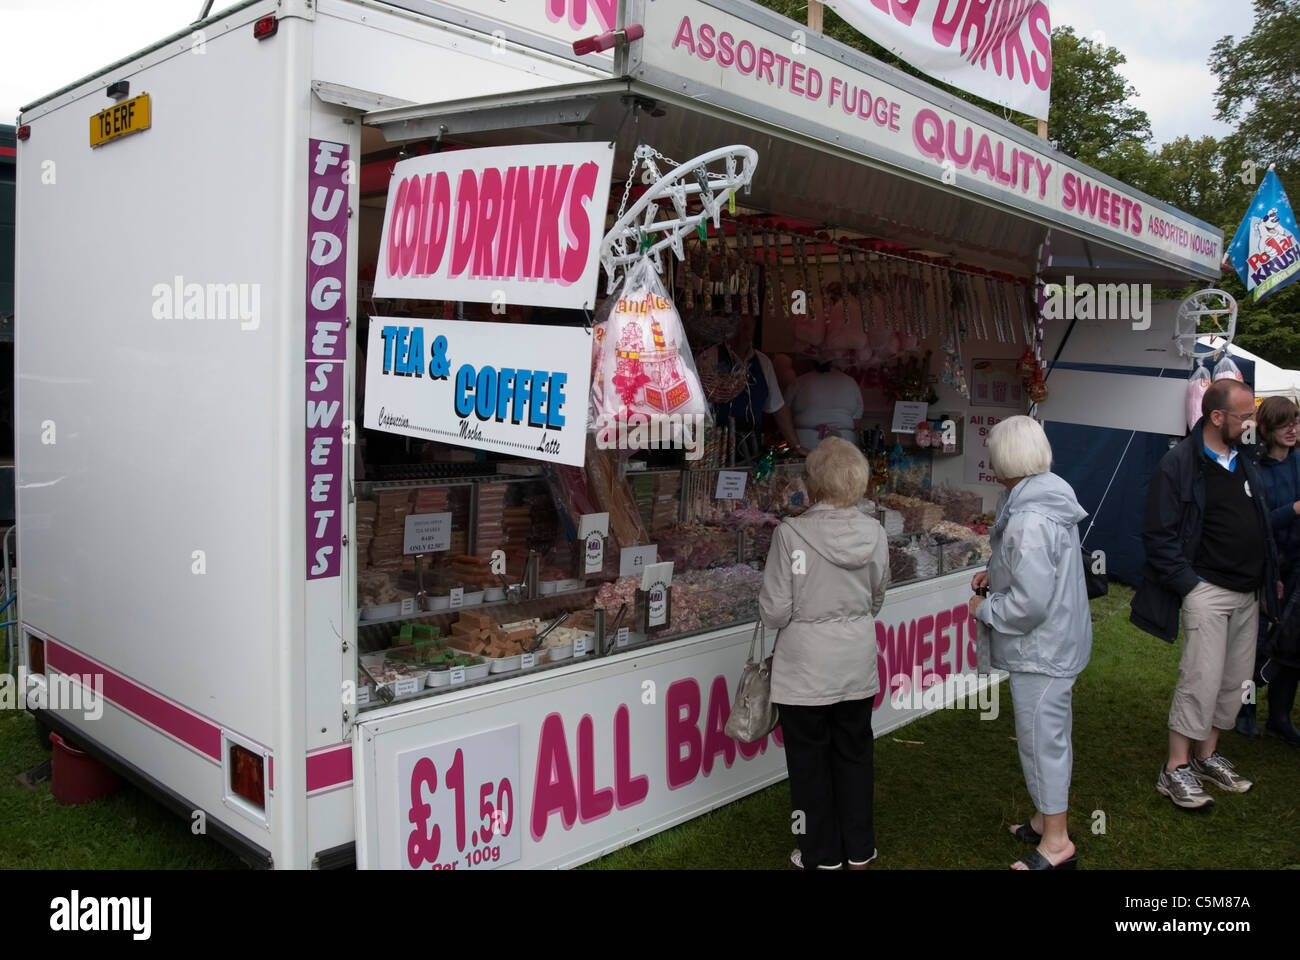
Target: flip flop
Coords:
[[1027, 834], [1034, 860]]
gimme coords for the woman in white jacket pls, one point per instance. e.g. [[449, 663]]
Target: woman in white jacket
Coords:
[[1036, 610], [823, 585]]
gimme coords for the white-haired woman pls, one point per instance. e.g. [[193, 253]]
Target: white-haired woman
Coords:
[[1036, 608], [823, 585]]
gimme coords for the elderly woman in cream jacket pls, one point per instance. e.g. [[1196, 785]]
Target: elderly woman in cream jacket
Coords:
[[1036, 611], [823, 585]]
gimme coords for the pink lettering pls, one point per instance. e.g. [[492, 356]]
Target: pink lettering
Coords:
[[716, 741], [592, 803], [553, 788], [578, 226], [682, 713], [628, 790], [466, 202]]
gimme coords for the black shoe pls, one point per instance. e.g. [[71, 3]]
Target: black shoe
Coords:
[[1246, 725], [1284, 730]]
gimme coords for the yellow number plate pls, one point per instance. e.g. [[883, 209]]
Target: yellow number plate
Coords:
[[129, 116]]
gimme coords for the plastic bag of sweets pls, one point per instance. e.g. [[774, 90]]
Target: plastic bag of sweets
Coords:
[[643, 368]]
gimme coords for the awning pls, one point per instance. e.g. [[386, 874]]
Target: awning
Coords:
[[877, 175]]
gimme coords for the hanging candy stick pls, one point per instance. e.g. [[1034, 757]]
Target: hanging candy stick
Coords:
[[728, 273], [821, 280], [780, 278], [806, 268], [862, 272]]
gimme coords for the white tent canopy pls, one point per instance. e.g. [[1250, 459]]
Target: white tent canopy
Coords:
[[1270, 379]]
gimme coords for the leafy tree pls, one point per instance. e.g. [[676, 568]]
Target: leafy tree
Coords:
[[1258, 77]]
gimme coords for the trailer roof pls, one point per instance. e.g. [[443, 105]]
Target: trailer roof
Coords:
[[170, 38]]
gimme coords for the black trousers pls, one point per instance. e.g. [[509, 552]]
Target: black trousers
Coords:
[[829, 751]]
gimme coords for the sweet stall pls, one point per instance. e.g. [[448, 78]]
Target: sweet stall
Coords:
[[537, 583]]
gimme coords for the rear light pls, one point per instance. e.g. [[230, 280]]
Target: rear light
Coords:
[[247, 776], [35, 654], [24, 131], [265, 27]]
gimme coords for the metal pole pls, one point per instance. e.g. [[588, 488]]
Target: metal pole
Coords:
[[9, 631]]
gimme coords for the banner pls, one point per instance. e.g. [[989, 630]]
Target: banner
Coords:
[[501, 225], [502, 387], [999, 51], [1264, 248]]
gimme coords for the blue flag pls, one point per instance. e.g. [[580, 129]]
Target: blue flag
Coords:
[[1264, 250]]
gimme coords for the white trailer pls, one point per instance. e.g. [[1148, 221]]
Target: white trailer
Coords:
[[176, 320]]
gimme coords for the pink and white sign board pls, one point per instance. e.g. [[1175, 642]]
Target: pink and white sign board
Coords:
[[500, 225]]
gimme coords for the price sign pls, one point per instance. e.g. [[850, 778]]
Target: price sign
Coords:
[[427, 533], [620, 640], [457, 598], [580, 647], [731, 485], [456, 675], [593, 554], [633, 560], [593, 523], [407, 686], [408, 606], [363, 696], [527, 661], [456, 806], [909, 413]]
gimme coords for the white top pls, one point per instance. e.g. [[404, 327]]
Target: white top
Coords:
[[832, 399], [709, 358]]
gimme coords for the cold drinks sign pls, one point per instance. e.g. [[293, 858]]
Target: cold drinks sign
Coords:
[[502, 225]]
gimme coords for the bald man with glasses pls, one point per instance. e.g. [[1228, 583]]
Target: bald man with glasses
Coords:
[[1209, 556]]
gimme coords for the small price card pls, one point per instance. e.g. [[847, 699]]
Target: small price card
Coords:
[[427, 533], [406, 686], [408, 606], [528, 661], [457, 598], [632, 561], [456, 675], [620, 639], [731, 485]]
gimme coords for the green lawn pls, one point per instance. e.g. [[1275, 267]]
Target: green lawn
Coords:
[[942, 802]]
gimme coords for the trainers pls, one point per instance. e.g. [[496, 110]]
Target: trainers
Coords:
[[796, 858], [1218, 771], [1183, 788], [863, 864]]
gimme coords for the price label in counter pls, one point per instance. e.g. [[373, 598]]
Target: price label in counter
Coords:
[[731, 485], [408, 606], [457, 598], [407, 686], [456, 675], [456, 803], [527, 661], [620, 639], [363, 696], [909, 413], [632, 561], [427, 533], [580, 647]]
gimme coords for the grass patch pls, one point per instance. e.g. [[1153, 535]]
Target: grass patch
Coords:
[[946, 802], [941, 804]]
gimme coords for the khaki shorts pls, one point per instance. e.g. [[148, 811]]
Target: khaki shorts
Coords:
[[1220, 628]]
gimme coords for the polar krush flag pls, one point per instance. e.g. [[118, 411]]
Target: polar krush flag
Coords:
[[1264, 249], [1000, 50]]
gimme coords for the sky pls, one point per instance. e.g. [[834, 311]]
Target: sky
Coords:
[[45, 44]]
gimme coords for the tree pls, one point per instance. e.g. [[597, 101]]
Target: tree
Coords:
[[1090, 117], [1258, 77]]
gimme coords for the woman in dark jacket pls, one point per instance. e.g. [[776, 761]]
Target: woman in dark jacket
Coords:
[[1279, 466]]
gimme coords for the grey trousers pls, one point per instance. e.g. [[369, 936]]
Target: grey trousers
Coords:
[[1044, 719]]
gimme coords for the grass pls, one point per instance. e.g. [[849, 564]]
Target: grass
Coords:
[[945, 802], [942, 802]]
